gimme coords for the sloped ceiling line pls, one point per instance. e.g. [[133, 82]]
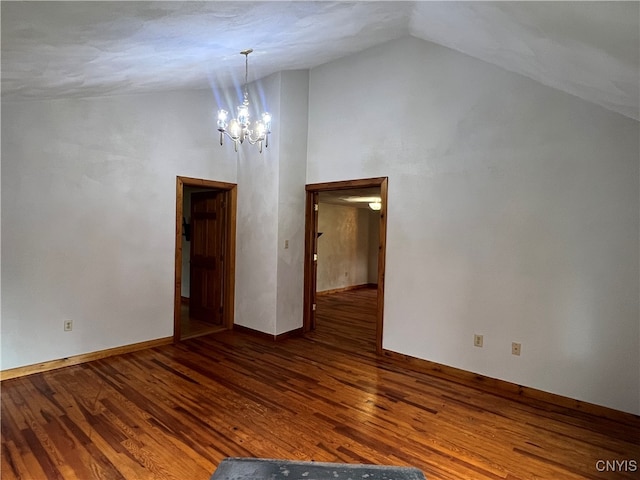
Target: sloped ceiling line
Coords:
[[85, 48]]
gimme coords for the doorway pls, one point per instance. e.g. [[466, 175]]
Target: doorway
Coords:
[[342, 189], [204, 257]]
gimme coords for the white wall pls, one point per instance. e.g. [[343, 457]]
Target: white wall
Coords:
[[343, 248], [257, 221], [512, 212], [292, 135], [88, 217], [269, 279]]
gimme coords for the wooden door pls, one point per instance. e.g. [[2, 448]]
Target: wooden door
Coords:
[[208, 241]]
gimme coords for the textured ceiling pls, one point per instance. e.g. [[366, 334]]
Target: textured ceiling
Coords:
[[72, 49]]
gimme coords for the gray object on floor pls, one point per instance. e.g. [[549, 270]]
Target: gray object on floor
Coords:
[[268, 469]]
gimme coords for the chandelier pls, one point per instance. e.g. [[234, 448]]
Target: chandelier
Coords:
[[237, 129]]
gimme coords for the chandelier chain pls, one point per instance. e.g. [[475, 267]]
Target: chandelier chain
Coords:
[[246, 73]]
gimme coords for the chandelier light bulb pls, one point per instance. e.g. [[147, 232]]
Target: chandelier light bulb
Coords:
[[259, 130], [243, 115], [223, 115], [266, 118], [235, 129]]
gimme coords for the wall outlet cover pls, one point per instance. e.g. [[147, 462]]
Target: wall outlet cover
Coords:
[[516, 348]]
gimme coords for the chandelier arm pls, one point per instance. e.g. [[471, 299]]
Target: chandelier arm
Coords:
[[235, 141], [253, 141], [258, 141], [247, 137], [227, 134]]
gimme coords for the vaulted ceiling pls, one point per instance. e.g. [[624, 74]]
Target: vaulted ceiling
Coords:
[[94, 48]]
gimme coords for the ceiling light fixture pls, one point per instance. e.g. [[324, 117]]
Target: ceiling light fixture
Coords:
[[360, 199], [375, 203], [237, 129]]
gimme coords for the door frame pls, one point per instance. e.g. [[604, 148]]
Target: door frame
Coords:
[[231, 194], [311, 242]]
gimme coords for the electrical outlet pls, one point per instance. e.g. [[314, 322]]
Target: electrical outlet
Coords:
[[68, 325], [477, 340], [286, 244], [515, 348]]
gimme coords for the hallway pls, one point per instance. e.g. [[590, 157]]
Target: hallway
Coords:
[[347, 320]]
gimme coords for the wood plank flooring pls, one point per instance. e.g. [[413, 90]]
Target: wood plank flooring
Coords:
[[175, 411], [347, 320], [190, 327]]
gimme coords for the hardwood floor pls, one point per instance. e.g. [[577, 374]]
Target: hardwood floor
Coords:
[[347, 320], [191, 328], [175, 411]]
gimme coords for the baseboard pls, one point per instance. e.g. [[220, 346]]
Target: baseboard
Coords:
[[77, 359], [346, 289], [267, 336], [509, 390], [298, 332]]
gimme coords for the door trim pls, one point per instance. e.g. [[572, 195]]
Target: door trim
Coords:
[[230, 190], [311, 242]]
